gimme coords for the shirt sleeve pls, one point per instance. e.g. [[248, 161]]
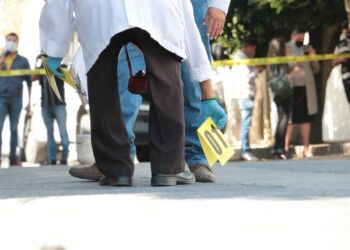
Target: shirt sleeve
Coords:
[[56, 27], [220, 4], [197, 57], [27, 78]]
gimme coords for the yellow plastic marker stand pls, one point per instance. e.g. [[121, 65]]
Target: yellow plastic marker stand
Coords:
[[68, 78], [215, 146], [52, 81], [51, 78]]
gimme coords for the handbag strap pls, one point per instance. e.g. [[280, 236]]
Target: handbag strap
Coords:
[[128, 60]]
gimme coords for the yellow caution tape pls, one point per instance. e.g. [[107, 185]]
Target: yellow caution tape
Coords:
[[216, 64], [279, 60], [21, 72], [68, 78]]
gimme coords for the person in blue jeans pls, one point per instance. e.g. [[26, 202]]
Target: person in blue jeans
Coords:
[[54, 109], [11, 89], [245, 77], [210, 18]]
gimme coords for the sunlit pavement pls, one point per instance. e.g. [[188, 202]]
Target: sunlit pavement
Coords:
[[264, 205]]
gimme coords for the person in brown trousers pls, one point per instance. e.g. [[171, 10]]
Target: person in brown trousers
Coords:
[[122, 23]]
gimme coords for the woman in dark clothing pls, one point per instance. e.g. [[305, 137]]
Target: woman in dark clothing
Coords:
[[283, 103]]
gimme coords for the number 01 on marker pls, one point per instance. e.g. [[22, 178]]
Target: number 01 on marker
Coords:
[[215, 146]]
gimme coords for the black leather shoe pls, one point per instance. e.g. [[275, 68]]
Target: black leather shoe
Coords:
[[202, 173], [172, 179], [121, 181]]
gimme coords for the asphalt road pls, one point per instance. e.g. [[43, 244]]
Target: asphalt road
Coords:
[[263, 205]]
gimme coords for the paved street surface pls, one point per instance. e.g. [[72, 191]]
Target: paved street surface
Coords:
[[270, 205]]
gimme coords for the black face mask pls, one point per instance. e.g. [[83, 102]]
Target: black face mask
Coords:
[[299, 44]]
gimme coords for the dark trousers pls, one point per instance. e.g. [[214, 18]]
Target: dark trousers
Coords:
[[283, 111], [110, 142]]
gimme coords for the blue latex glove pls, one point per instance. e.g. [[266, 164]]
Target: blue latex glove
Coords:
[[53, 63], [212, 109]]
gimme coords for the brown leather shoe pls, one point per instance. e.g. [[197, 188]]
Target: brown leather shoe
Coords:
[[87, 173], [202, 173]]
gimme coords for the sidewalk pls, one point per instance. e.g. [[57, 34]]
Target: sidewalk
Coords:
[[296, 152], [261, 151]]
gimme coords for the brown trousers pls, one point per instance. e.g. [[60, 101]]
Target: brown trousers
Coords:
[[110, 142]]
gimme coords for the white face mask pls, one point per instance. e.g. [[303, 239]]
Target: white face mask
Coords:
[[11, 46]]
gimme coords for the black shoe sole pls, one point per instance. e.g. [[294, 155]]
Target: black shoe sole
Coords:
[[120, 181], [159, 181]]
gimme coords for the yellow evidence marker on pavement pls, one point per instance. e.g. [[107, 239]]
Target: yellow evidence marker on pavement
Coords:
[[215, 146]]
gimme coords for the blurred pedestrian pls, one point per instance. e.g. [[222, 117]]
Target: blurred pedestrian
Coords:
[[165, 32], [279, 82], [343, 47], [53, 109], [245, 77], [11, 88], [304, 104]]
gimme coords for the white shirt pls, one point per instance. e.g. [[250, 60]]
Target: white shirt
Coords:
[[244, 78], [170, 22], [220, 4]]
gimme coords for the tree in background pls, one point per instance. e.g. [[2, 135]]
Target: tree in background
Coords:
[[265, 19]]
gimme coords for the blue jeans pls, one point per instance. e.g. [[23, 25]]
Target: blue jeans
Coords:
[[246, 107], [193, 107], [130, 103], [58, 113], [12, 106]]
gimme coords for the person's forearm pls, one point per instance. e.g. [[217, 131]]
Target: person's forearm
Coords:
[[337, 62], [207, 90], [56, 27]]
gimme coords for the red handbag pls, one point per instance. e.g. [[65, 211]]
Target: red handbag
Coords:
[[138, 84]]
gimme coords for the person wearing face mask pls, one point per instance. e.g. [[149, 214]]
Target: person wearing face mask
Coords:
[[11, 89], [342, 47], [245, 77], [304, 104]]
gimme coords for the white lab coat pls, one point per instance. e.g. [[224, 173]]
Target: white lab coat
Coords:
[[170, 22]]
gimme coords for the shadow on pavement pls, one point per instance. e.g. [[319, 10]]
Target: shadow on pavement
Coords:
[[291, 180]]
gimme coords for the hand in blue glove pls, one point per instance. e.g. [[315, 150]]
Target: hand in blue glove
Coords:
[[213, 109], [53, 63]]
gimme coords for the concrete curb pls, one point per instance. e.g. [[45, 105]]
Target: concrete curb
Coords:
[[296, 152]]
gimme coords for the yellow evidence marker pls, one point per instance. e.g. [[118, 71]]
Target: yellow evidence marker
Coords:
[[215, 146]]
